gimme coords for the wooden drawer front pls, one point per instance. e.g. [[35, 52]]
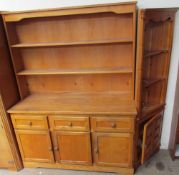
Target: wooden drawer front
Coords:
[[69, 123], [112, 124], [21, 121]]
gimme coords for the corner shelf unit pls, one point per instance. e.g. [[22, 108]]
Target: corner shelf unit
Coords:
[[155, 32], [155, 59]]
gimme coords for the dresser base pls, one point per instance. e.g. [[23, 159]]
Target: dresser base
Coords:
[[126, 171]]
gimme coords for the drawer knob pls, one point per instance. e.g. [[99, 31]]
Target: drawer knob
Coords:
[[70, 124], [113, 125], [30, 123]]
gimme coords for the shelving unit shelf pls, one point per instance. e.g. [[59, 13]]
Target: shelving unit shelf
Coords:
[[149, 54], [75, 71], [57, 44]]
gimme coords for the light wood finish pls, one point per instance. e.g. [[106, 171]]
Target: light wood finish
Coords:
[[113, 149], [72, 147], [90, 73], [112, 124], [75, 103], [69, 123], [151, 137], [21, 121], [35, 145]]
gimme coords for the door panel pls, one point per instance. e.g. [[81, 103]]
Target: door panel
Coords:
[[113, 149], [5, 157], [35, 145], [72, 147], [151, 137]]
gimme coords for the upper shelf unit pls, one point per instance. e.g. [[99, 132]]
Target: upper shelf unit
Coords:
[[60, 51]]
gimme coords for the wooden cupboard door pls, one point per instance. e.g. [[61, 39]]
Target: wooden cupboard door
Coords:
[[35, 146], [151, 137], [72, 147], [5, 153], [113, 149]]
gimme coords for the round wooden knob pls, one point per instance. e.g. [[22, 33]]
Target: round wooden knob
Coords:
[[113, 125], [70, 124], [30, 123]]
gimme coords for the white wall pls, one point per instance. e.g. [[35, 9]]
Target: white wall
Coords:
[[40, 4]]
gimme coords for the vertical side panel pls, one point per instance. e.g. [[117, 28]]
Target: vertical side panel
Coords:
[[139, 59]]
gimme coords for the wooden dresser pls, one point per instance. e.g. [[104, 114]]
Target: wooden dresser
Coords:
[[81, 93]]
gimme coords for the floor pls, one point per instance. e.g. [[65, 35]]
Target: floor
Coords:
[[160, 164]]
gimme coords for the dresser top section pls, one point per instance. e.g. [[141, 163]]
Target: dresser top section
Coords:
[[75, 103]]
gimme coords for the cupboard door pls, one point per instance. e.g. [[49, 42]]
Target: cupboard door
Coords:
[[72, 147], [151, 137], [35, 145], [113, 149]]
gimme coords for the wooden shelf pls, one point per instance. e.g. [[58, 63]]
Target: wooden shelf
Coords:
[[75, 71], [148, 54], [149, 82], [76, 103], [56, 44], [146, 110]]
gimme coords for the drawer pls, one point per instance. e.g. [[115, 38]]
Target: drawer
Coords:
[[112, 124], [28, 121], [69, 123]]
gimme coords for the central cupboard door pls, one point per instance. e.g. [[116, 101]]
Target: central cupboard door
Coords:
[[72, 147], [35, 146], [113, 149]]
